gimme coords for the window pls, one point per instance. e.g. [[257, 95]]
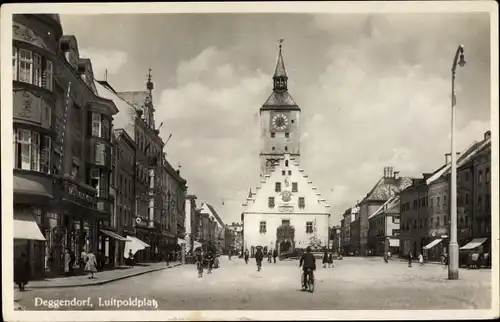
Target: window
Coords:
[[479, 202], [285, 222], [445, 198], [270, 202], [37, 68], [47, 111], [414, 223], [286, 163], [432, 202], [289, 172], [438, 202], [32, 151], [273, 134], [395, 232], [420, 223], [96, 125], [45, 154], [100, 153], [105, 128], [14, 63], [487, 174], [467, 176], [262, 228], [302, 202], [480, 176], [25, 66], [309, 227], [283, 172], [35, 151], [466, 198], [286, 148], [273, 148], [295, 187], [277, 187], [414, 204], [438, 222], [425, 223], [48, 75], [287, 135]]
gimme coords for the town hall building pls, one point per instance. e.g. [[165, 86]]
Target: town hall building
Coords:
[[286, 211]]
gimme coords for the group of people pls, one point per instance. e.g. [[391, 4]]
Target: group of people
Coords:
[[87, 260], [327, 259], [201, 258]]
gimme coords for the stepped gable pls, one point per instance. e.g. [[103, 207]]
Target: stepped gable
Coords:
[[276, 176]]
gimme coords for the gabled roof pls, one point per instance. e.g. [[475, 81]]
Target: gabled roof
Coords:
[[464, 157], [280, 100], [386, 188], [389, 205], [216, 215]]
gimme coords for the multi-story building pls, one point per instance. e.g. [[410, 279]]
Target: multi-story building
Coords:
[[287, 211], [234, 237], [190, 224], [342, 235], [355, 238], [415, 217], [390, 184], [335, 237], [384, 228], [62, 145], [348, 217]]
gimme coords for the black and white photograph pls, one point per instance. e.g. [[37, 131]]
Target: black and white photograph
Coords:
[[264, 161]]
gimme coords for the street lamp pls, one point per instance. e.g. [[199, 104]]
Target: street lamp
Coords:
[[453, 247]]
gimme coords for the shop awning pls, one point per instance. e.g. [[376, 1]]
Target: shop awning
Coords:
[[25, 227], [134, 244], [393, 242], [474, 243], [433, 243], [181, 241], [114, 235]]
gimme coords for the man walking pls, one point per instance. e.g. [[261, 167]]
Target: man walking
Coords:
[[275, 254], [409, 258]]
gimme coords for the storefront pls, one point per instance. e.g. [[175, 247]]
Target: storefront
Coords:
[[109, 242]]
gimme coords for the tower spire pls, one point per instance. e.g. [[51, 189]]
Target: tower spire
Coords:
[[280, 78]]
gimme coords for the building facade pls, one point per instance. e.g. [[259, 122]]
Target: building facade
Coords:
[[62, 145], [390, 184], [384, 228], [286, 211]]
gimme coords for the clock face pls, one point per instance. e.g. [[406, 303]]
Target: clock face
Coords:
[[280, 122]]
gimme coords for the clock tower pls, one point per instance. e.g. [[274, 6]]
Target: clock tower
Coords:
[[279, 121]]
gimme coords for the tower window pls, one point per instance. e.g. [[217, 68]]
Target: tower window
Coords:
[[274, 148], [287, 135], [286, 148], [273, 134]]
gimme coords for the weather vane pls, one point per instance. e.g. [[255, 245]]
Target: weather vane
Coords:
[[281, 41]]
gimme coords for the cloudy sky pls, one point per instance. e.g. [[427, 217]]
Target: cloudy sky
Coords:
[[374, 91]]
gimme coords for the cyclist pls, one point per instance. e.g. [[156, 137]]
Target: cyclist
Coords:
[[210, 260], [308, 264], [259, 256], [199, 262]]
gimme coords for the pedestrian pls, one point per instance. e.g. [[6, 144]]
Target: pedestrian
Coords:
[[247, 256], [445, 260], [91, 265], [409, 258], [269, 256], [72, 262], [167, 258], [83, 260], [22, 272], [421, 259], [229, 254], [67, 262], [325, 258], [130, 259], [275, 254], [389, 255], [330, 260]]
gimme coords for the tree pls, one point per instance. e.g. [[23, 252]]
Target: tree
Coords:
[[315, 243]]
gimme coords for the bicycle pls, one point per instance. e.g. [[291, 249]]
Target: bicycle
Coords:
[[200, 269], [308, 280]]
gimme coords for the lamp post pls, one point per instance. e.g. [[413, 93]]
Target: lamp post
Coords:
[[453, 247]]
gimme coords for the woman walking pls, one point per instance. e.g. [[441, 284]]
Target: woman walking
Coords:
[[421, 259], [330, 260], [409, 258], [91, 265], [67, 262]]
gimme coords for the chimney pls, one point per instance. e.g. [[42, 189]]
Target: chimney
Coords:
[[391, 169], [385, 172], [396, 175], [447, 158], [487, 135]]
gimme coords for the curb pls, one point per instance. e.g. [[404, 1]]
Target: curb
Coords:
[[109, 280]]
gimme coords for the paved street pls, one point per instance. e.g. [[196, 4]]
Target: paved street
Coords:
[[354, 284]]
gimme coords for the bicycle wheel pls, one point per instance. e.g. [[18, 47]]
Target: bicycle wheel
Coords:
[[311, 284]]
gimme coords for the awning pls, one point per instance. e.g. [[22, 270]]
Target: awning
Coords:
[[393, 242], [474, 243], [25, 227], [432, 243], [181, 241], [134, 244], [114, 235]]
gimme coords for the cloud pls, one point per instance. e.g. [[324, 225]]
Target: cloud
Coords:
[[111, 60]]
